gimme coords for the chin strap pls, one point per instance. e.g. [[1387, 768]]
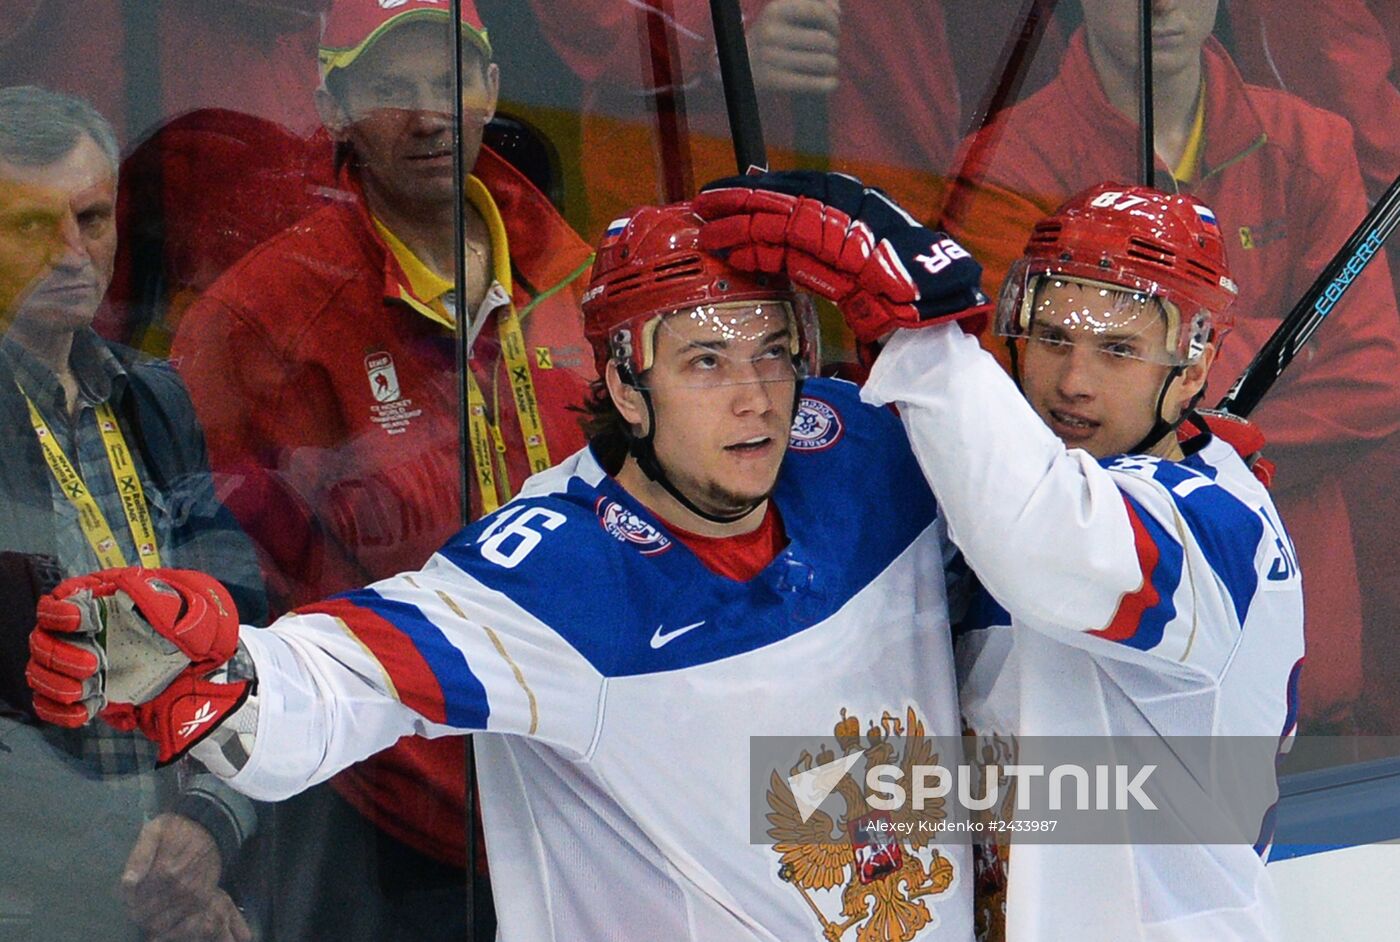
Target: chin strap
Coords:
[[643, 451], [1161, 427]]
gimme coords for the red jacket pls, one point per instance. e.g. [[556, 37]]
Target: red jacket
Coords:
[[1339, 54], [1284, 184], [330, 406]]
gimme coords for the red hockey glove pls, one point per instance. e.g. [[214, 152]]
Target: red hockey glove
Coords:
[[134, 647], [844, 242], [1240, 434]]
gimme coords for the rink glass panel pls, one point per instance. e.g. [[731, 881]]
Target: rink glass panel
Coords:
[[341, 453]]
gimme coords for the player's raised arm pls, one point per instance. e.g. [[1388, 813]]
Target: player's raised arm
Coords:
[[1067, 495]]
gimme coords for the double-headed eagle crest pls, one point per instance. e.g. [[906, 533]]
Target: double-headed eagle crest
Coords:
[[882, 862]]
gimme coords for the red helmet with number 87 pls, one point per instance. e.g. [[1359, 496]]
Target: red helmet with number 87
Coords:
[[1134, 238]]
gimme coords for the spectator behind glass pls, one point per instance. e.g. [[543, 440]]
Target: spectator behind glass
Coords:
[[143, 64], [1282, 178], [323, 367], [1341, 54], [104, 466], [875, 80], [1337, 54], [212, 100]]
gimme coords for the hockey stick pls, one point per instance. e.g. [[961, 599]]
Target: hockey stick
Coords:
[[740, 99], [1146, 128], [1316, 303], [465, 457]]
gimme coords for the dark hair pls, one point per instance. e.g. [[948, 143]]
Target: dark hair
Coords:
[[39, 127], [608, 433]]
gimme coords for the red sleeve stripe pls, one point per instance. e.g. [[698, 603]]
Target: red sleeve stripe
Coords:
[[416, 685], [1143, 615]]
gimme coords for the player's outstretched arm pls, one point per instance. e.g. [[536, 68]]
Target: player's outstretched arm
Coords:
[[140, 649]]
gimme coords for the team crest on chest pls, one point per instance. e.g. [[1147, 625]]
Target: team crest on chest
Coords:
[[626, 526], [816, 426], [872, 879]]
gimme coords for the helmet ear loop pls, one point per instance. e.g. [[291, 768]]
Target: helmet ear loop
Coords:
[[642, 447], [1014, 354]]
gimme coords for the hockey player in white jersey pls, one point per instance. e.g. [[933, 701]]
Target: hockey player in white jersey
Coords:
[[1132, 588], [739, 553]]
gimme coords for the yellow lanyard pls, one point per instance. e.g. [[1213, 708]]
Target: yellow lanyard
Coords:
[[487, 444], [527, 404], [488, 450], [90, 517]]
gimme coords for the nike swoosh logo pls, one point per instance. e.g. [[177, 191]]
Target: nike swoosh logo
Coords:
[[662, 637]]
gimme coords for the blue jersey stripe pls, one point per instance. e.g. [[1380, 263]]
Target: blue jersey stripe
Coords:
[[1227, 531], [465, 701], [1164, 578]]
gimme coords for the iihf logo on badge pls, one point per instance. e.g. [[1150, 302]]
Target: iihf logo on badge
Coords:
[[383, 380]]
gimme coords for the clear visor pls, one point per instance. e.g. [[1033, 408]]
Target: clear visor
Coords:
[[1118, 321], [727, 344]]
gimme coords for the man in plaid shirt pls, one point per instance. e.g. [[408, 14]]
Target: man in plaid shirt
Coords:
[[105, 463]]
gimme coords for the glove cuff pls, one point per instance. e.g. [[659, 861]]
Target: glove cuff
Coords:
[[187, 711]]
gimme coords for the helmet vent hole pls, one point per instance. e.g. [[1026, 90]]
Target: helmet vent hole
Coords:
[[689, 266], [1153, 252]]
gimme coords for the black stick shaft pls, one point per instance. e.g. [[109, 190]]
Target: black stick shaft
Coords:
[[465, 458], [1146, 123], [740, 99], [1316, 303]]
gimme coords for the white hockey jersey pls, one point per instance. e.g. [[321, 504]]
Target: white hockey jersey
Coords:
[[619, 682], [1146, 598]]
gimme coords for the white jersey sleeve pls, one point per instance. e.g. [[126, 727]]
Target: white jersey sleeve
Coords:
[[428, 653], [1102, 556]]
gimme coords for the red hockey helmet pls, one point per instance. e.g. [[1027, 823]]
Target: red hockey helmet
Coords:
[[1155, 245], [649, 265]]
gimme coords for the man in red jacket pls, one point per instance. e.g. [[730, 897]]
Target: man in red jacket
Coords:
[[1282, 177], [1344, 55], [323, 369]]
